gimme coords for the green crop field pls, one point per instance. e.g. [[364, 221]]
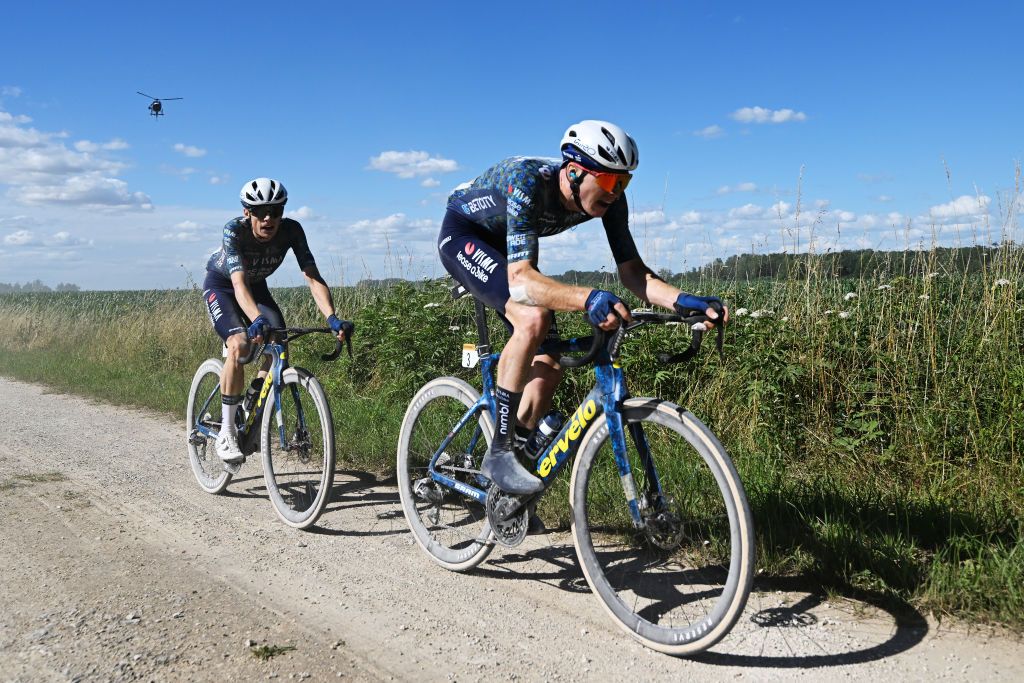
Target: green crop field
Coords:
[[876, 421]]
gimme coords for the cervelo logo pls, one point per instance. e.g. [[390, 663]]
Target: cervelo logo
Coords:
[[580, 419], [470, 248], [212, 296]]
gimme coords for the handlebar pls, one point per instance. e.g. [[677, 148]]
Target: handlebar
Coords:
[[613, 340], [286, 334]]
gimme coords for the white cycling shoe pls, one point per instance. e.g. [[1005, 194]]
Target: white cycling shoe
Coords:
[[227, 449]]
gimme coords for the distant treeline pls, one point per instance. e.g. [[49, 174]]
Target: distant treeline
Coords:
[[844, 264], [37, 286]]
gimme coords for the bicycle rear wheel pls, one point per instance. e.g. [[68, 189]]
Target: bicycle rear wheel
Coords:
[[297, 445], [204, 410], [678, 585], [450, 526]]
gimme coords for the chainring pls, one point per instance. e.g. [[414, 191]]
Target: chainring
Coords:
[[509, 532]]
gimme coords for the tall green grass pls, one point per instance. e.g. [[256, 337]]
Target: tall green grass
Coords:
[[876, 421]]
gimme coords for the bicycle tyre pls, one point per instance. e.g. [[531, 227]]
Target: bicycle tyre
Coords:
[[464, 539], [300, 471], [701, 563], [206, 466]]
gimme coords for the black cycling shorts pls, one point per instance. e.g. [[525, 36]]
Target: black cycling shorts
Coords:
[[225, 313], [477, 259]]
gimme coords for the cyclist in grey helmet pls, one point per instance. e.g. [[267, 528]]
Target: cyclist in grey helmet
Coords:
[[236, 293], [489, 244]]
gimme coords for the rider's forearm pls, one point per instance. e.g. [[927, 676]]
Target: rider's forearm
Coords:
[[532, 288], [243, 296], [642, 281], [320, 291]]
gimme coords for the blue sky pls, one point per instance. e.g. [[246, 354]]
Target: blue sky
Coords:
[[743, 113]]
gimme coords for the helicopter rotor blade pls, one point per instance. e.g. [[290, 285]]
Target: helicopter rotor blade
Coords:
[[145, 95], [171, 98]]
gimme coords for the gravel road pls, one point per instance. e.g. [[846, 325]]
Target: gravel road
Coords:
[[114, 565]]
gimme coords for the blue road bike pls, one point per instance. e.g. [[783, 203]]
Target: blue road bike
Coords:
[[289, 422], [658, 515]]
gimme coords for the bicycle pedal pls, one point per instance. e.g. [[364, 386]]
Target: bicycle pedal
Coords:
[[232, 467]]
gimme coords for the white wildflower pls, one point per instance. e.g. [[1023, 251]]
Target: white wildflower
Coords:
[[850, 296], [1002, 282], [740, 312], [828, 312], [432, 305], [932, 275], [882, 288], [453, 328], [924, 297], [844, 315], [785, 318]]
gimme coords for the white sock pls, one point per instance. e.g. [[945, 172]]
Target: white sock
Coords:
[[227, 419]]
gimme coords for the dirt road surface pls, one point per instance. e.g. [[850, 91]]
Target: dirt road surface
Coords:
[[114, 565]]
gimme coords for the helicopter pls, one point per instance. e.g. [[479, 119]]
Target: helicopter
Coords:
[[156, 107]]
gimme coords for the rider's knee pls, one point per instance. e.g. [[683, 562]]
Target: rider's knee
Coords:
[[531, 322], [238, 346]]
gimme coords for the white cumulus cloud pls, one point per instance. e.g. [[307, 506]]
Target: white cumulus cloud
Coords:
[[741, 187], [411, 164], [964, 207], [89, 147], [19, 238], [189, 150], [710, 132], [762, 115]]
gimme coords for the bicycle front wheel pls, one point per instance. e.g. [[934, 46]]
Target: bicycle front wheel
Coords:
[[202, 414], [679, 583], [297, 444], [450, 526]]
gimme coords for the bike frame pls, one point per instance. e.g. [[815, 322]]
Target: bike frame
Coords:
[[606, 397], [278, 352]]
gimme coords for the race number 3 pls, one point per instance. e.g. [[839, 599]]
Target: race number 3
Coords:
[[470, 357]]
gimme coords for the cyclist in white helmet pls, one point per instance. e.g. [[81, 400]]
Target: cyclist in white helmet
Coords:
[[488, 243], [236, 293]]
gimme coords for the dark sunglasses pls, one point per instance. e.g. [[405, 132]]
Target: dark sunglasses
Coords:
[[262, 212]]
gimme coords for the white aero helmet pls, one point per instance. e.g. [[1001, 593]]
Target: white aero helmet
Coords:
[[601, 146], [262, 192]]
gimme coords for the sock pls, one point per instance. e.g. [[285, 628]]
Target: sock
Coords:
[[228, 408], [507, 405]]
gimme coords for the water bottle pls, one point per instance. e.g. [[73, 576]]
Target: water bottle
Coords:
[[543, 434], [249, 400]]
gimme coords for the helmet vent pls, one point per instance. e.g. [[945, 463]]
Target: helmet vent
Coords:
[[611, 138], [605, 155]]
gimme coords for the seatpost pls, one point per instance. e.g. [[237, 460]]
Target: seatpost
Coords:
[[481, 327]]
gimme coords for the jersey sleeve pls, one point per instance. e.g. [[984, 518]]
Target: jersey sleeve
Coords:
[[232, 257], [521, 204], [300, 247], [616, 227]]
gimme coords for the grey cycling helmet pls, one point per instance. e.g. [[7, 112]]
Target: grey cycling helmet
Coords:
[[601, 146], [263, 192]]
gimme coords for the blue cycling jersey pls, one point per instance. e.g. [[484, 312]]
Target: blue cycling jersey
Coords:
[[241, 251], [518, 201]]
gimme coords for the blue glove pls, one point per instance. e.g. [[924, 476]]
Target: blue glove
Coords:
[[259, 328], [599, 304], [687, 304], [337, 325]]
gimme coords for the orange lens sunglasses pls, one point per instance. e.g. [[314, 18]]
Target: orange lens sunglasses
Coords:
[[611, 182]]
